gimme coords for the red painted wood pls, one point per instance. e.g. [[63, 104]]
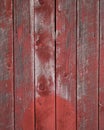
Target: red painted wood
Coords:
[[87, 64], [44, 64], [101, 77], [66, 64], [24, 65], [6, 66], [77, 65]]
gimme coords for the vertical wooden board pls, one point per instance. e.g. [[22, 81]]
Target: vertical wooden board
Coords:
[[101, 84], [24, 64], [65, 64], [6, 66], [87, 64], [44, 64]]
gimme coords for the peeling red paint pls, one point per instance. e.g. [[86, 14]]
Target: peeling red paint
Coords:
[[87, 64], [44, 8], [65, 42], [44, 86], [73, 50], [44, 69], [24, 66], [43, 48], [66, 62], [6, 66]]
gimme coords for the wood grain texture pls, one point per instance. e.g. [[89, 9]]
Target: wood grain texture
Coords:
[[66, 64], [44, 64], [87, 64], [24, 65], [6, 66], [101, 77], [48, 81]]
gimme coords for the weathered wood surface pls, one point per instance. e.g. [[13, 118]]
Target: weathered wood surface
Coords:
[[66, 64], [44, 64], [23, 65], [6, 66], [87, 64], [51, 65], [101, 63]]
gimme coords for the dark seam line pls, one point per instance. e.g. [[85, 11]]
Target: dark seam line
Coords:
[[76, 57], [13, 60], [55, 64], [99, 64], [34, 76]]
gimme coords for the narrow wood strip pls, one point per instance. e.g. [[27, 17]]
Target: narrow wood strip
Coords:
[[101, 84], [24, 65], [6, 66], [87, 64], [66, 64], [44, 64]]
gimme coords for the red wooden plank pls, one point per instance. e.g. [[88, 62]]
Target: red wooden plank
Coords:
[[66, 64], [6, 66], [24, 64], [44, 64], [101, 84], [87, 64]]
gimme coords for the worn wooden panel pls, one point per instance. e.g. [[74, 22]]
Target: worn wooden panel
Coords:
[[24, 64], [66, 64], [87, 64], [44, 64], [6, 66], [101, 63]]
